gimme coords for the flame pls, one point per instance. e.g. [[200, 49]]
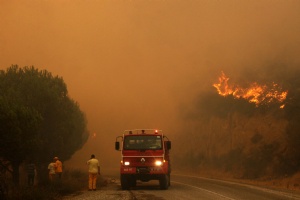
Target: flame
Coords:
[[255, 93]]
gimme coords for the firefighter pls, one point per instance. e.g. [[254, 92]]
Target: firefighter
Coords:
[[58, 169], [94, 170], [51, 168]]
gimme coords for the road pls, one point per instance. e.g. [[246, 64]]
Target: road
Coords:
[[189, 187]]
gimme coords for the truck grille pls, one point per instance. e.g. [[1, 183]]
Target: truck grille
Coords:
[[142, 170]]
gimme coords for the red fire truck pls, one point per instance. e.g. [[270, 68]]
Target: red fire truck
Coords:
[[144, 156]]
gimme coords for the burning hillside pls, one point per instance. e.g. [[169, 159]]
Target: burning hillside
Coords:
[[254, 93], [246, 133]]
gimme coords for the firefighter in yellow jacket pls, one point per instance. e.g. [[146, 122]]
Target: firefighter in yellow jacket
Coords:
[[58, 169], [94, 171]]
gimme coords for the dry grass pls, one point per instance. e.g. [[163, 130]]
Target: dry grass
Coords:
[[73, 181]]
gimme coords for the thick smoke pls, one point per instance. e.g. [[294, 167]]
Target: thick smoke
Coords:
[[142, 64], [248, 139]]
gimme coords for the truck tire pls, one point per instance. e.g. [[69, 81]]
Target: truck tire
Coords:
[[125, 183], [133, 182], [164, 182]]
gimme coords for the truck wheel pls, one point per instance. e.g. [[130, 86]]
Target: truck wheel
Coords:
[[133, 182], [164, 182], [125, 182]]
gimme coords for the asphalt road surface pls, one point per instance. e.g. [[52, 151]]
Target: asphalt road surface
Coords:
[[191, 187], [188, 187]]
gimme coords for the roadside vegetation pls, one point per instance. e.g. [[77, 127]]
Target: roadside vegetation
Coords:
[[242, 139], [72, 182], [38, 121]]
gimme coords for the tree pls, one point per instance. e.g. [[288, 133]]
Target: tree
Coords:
[[18, 133], [37, 118]]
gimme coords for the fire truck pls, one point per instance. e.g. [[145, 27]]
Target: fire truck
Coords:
[[145, 156]]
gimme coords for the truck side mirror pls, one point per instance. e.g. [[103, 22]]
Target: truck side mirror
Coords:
[[168, 145], [117, 146]]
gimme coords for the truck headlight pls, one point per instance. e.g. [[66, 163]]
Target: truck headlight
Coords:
[[126, 163], [158, 163]]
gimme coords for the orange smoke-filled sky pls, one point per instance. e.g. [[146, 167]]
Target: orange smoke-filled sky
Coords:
[[133, 63]]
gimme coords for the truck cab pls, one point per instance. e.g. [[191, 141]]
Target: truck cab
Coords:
[[145, 156]]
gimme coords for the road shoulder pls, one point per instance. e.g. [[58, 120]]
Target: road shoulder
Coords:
[[111, 191]]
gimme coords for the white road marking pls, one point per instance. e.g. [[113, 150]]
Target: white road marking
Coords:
[[245, 185], [203, 190]]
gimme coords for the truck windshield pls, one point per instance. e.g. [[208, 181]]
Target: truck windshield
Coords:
[[142, 142]]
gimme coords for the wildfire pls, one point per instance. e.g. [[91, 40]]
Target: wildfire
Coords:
[[255, 93]]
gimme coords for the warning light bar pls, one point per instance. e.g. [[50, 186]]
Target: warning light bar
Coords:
[[142, 131]]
